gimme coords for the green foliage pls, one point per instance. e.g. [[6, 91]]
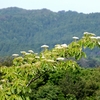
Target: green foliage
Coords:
[[48, 92], [53, 74], [79, 85]]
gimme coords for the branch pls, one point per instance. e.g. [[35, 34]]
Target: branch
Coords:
[[35, 78], [32, 80]]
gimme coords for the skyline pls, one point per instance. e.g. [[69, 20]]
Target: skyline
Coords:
[[85, 6]]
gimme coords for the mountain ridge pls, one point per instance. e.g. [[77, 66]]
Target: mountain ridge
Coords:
[[22, 29]]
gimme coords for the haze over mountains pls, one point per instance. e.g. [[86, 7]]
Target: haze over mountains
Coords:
[[22, 29]]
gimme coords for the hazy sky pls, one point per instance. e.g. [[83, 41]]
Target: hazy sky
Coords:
[[85, 6]]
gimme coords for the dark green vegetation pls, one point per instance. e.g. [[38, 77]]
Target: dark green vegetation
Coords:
[[22, 29]]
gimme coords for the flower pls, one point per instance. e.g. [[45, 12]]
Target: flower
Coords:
[[87, 33], [23, 52], [19, 59], [76, 38], [3, 80], [44, 46], [43, 57], [37, 57], [30, 51], [64, 45], [93, 37], [98, 37], [58, 46], [15, 55], [27, 53], [60, 59]]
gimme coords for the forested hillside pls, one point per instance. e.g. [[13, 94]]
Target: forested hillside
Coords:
[[22, 29]]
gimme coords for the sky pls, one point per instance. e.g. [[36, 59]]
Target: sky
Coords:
[[84, 6]]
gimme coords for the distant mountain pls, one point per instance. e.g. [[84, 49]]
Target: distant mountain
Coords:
[[22, 29]]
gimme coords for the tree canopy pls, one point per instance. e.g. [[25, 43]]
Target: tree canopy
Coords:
[[52, 74]]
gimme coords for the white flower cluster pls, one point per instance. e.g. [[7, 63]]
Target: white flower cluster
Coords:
[[27, 53], [61, 46], [30, 51], [93, 37], [23, 52], [60, 59], [76, 38], [15, 55], [87, 33], [44, 46]]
